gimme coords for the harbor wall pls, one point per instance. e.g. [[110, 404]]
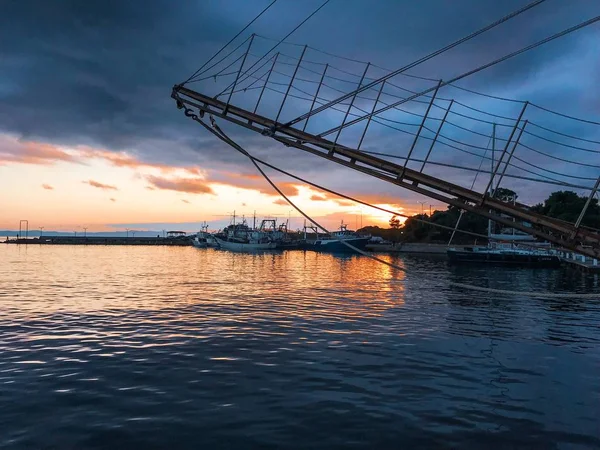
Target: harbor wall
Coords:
[[408, 247]]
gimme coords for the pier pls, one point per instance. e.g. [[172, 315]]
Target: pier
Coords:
[[579, 262], [101, 240]]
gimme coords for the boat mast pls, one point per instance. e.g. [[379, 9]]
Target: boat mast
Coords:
[[492, 172]]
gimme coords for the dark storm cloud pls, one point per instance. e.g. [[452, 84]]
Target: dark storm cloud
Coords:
[[100, 73]]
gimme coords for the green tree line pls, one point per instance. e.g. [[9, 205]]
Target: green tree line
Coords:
[[564, 205]]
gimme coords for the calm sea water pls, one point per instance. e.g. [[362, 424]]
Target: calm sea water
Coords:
[[158, 347]]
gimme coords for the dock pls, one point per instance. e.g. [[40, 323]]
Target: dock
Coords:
[[579, 262], [100, 240], [409, 247]]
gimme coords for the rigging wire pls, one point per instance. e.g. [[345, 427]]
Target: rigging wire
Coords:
[[422, 60], [231, 40], [466, 74], [216, 130], [451, 139], [220, 74], [447, 121], [496, 97], [376, 120], [278, 43]]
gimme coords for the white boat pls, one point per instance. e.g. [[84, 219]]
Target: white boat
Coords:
[[239, 237], [199, 242], [238, 246], [204, 239], [333, 243]]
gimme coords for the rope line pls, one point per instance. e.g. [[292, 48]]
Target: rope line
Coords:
[[230, 41], [377, 120], [216, 130]]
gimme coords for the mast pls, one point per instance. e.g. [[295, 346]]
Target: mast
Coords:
[[492, 176]]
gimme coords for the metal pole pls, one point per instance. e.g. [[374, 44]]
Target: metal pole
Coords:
[[371, 116], [510, 155], [490, 226], [436, 134], [585, 208], [41, 231], [266, 82], [512, 133], [412, 147], [291, 82], [462, 211], [316, 96], [239, 72], [351, 104]]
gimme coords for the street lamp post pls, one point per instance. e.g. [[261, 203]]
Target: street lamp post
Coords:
[[127, 232], [422, 206], [41, 231], [85, 231]]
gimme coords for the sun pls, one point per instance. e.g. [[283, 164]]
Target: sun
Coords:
[[382, 217]]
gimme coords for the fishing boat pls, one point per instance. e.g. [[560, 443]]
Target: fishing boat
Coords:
[[508, 248], [507, 254], [203, 238], [239, 237], [333, 242]]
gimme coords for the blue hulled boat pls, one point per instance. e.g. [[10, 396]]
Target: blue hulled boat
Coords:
[[332, 243]]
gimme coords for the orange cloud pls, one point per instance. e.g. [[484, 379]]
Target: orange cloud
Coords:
[[113, 199], [13, 150], [47, 187], [281, 202], [122, 159], [345, 203], [318, 198], [189, 185], [99, 185]]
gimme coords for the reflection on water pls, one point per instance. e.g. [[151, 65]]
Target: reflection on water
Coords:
[[155, 347]]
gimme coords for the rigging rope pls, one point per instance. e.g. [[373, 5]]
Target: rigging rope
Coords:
[[377, 120], [230, 41], [216, 130], [283, 39]]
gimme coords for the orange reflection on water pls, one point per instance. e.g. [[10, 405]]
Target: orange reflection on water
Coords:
[[293, 284]]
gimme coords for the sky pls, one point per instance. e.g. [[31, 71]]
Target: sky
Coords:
[[89, 136]]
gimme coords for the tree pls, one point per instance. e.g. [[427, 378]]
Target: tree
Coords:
[[506, 195], [567, 206], [395, 223]]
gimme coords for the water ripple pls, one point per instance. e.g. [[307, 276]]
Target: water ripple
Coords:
[[133, 347]]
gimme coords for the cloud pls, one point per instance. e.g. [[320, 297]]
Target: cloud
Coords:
[[117, 96], [113, 199], [123, 159], [318, 198], [13, 150], [189, 185], [281, 202], [185, 201], [47, 187], [99, 185]]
